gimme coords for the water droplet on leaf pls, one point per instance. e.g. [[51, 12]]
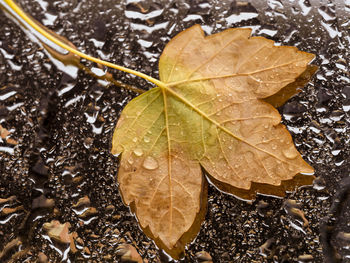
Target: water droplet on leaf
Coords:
[[130, 160], [138, 152], [290, 153], [150, 163]]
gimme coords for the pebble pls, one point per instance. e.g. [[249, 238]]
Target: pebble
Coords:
[[129, 253], [42, 258], [42, 202], [58, 232], [204, 257]]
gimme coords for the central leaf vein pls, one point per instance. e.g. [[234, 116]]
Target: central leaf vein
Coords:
[[169, 158]]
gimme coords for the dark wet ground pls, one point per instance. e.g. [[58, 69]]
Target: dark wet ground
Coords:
[[61, 121]]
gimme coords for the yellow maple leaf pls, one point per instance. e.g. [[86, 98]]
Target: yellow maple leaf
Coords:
[[209, 112]]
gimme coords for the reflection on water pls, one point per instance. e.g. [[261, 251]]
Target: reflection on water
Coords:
[[57, 122]]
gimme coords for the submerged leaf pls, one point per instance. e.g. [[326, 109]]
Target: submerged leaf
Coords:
[[209, 113]]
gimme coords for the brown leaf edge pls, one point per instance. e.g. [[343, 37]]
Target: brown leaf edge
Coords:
[[264, 189], [177, 252], [282, 96]]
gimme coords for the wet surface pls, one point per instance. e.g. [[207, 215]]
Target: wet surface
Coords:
[[56, 169]]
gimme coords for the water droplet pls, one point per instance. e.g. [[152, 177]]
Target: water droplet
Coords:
[[274, 146], [138, 152], [290, 153], [150, 163], [130, 160], [135, 139], [146, 139]]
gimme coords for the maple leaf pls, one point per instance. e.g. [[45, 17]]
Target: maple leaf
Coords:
[[208, 113]]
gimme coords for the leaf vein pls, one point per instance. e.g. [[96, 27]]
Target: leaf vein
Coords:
[[175, 83], [212, 57]]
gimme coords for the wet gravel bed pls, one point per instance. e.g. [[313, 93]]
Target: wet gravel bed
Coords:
[[55, 163]]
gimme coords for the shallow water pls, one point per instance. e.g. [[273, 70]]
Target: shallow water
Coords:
[[59, 166]]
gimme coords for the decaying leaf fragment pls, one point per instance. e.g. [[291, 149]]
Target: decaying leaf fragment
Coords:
[[209, 113], [58, 232]]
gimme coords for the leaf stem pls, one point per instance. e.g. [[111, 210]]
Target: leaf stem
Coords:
[[58, 42]]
